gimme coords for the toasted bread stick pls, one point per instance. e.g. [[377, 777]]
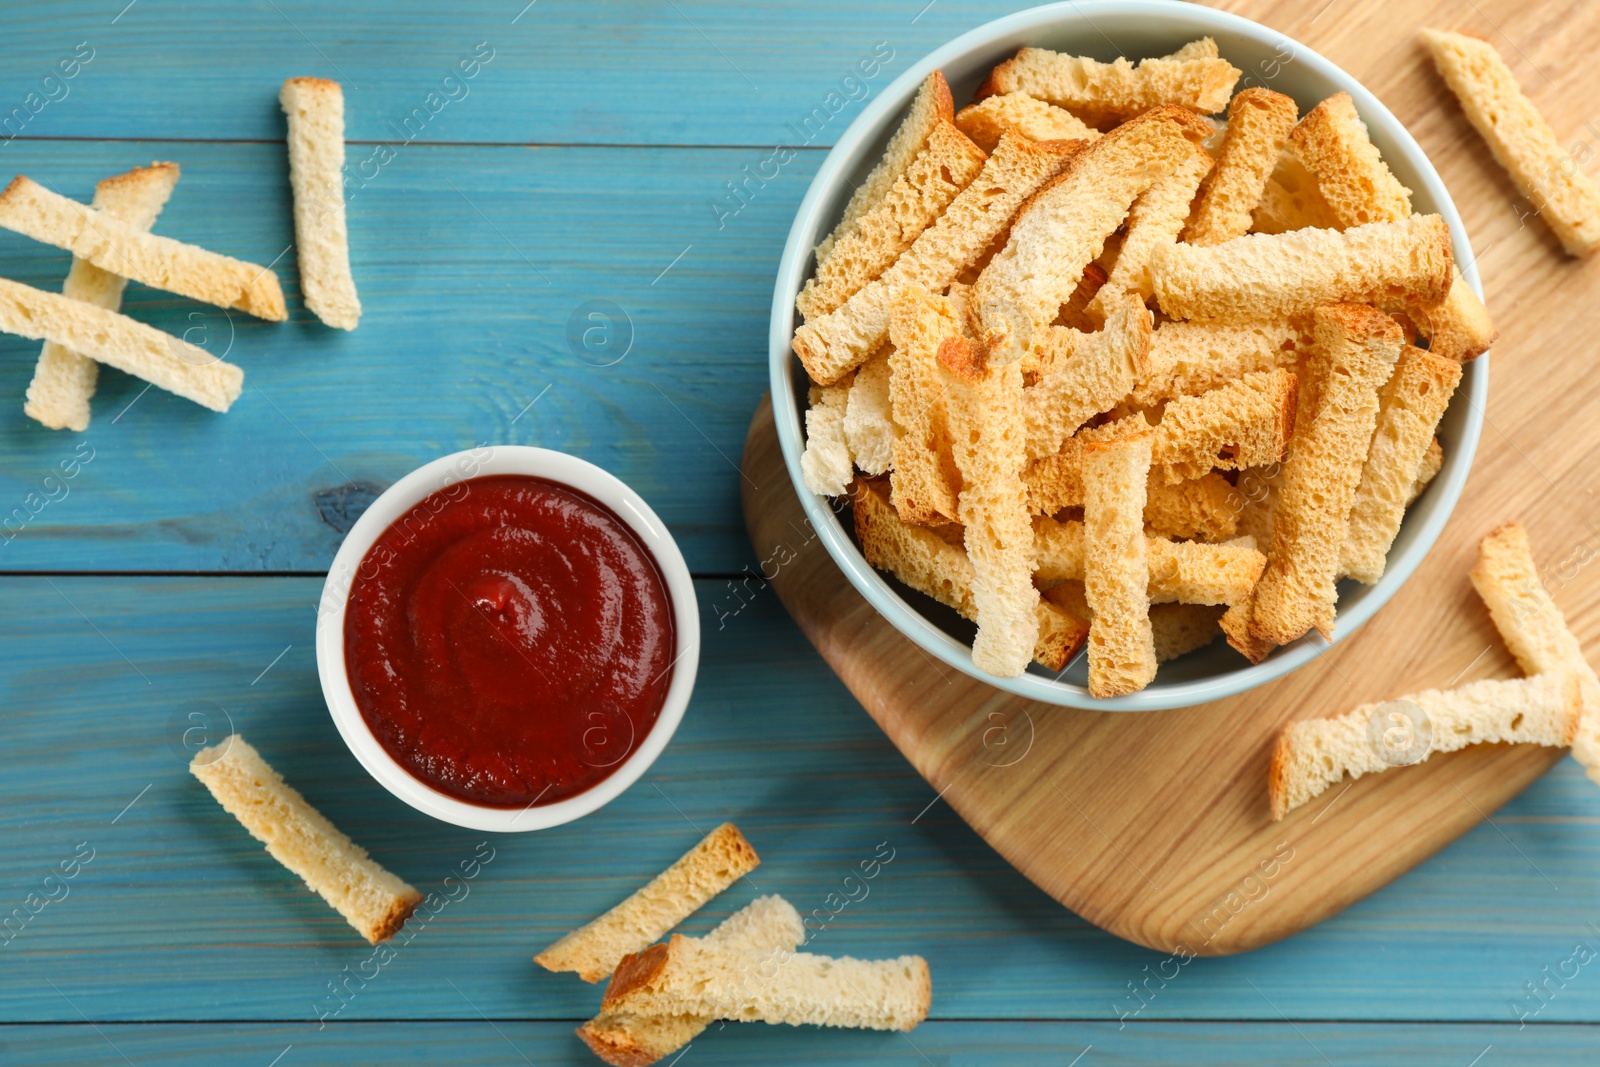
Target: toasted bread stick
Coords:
[[924, 482], [1190, 358], [1259, 121], [1026, 116], [338, 870], [1116, 573], [114, 246], [64, 380], [826, 462], [1184, 572], [1104, 94], [1101, 369], [315, 110]]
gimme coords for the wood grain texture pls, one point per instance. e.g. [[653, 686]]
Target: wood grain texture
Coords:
[[993, 1044], [1164, 854], [181, 916]]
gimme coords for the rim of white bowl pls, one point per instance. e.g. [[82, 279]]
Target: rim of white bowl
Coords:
[[409, 491], [794, 266]]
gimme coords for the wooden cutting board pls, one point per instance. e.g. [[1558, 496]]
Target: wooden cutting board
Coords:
[[1155, 826]]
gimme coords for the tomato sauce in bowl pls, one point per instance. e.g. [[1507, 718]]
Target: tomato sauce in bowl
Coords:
[[509, 641]]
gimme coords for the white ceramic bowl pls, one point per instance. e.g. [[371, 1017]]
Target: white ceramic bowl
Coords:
[[1106, 29], [400, 498]]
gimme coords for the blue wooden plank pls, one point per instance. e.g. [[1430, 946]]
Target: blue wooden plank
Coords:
[[943, 1044], [557, 71], [180, 916], [478, 269]]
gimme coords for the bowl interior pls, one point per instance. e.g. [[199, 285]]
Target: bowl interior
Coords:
[[1136, 29], [405, 494]]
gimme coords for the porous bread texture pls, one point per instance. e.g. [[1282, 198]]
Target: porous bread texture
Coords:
[[1155, 218], [1357, 187], [1026, 116], [1534, 629], [1314, 753], [64, 380], [112, 245], [1184, 572], [1190, 358], [1116, 573], [946, 165], [1056, 481], [826, 462], [1101, 369], [767, 924], [338, 870], [1432, 463], [838, 342], [1246, 423], [315, 110], [1259, 121], [1064, 225], [1175, 629], [869, 427], [929, 107], [1357, 347], [1410, 405], [167, 362], [924, 483], [988, 437], [685, 976], [1291, 200], [1566, 198], [1103, 94], [593, 950], [1275, 276], [939, 568], [1204, 508]]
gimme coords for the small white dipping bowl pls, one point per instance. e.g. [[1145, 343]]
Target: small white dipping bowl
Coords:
[[1105, 29], [400, 498]]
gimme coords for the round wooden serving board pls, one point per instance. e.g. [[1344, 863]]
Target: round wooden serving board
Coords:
[[1155, 825]]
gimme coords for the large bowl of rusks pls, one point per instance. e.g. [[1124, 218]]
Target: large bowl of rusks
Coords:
[[1127, 355]]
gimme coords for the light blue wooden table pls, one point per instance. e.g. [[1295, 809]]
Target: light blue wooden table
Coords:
[[586, 160]]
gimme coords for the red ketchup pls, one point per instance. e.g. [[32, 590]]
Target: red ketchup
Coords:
[[509, 641]]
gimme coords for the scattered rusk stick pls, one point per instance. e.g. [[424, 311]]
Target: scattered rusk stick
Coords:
[[315, 110], [118, 341], [1566, 198], [64, 380], [1116, 573], [768, 925], [34, 211], [1259, 121], [594, 949], [338, 870]]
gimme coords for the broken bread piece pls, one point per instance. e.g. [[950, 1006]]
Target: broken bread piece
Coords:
[[338, 870], [831, 346], [1314, 753], [315, 111], [112, 245], [938, 568], [1086, 374], [1566, 198], [1274, 276], [689, 977], [593, 950], [869, 427], [826, 462], [1259, 121], [1064, 226], [929, 107], [989, 119], [1116, 572], [1104, 94], [1357, 347], [64, 380], [1534, 629], [924, 482], [168, 362], [946, 165], [987, 433], [1410, 406], [768, 925]]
